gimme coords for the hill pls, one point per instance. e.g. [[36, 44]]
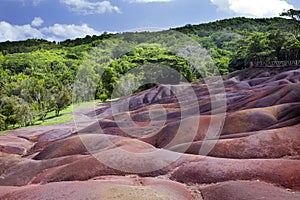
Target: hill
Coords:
[[188, 141], [45, 76], [175, 129]]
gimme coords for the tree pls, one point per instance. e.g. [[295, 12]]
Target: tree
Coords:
[[26, 114], [8, 110], [86, 83], [14, 110], [62, 98], [1, 86], [200, 62], [1, 56], [2, 122], [259, 48], [291, 49], [294, 14]]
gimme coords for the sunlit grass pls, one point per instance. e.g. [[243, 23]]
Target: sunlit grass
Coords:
[[65, 116]]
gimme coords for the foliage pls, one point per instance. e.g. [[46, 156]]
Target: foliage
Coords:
[[14, 110], [38, 77], [294, 14]]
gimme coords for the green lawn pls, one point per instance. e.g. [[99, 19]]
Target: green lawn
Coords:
[[65, 115]]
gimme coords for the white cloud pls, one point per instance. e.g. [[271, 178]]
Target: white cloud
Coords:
[[147, 1], [25, 2], [86, 7], [37, 21], [57, 32], [15, 32], [36, 2], [253, 8], [68, 31]]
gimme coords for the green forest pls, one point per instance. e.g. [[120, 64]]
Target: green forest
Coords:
[[38, 76]]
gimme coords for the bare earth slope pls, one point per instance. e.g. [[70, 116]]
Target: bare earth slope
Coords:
[[154, 150]]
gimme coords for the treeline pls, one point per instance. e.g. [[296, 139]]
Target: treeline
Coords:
[[10, 47], [30, 45], [38, 76], [234, 43]]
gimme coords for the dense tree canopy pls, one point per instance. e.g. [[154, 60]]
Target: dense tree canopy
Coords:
[[38, 76]]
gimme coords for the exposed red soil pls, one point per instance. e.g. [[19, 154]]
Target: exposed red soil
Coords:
[[168, 144]]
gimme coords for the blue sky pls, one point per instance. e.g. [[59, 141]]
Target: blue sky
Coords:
[[62, 19]]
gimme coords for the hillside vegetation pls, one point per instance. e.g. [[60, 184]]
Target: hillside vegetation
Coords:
[[38, 76]]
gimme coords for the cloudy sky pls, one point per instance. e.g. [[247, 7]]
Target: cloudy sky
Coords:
[[62, 19]]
